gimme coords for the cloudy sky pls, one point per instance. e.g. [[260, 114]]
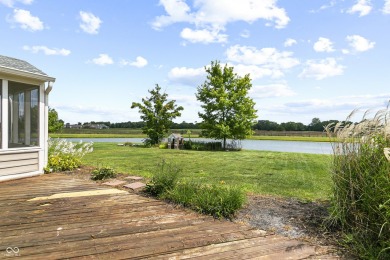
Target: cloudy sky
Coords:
[[306, 58]]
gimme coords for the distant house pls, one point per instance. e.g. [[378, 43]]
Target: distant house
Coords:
[[24, 91], [73, 126], [95, 126]]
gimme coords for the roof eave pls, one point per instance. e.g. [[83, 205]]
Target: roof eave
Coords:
[[27, 74]]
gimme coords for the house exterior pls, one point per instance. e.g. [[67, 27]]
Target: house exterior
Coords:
[[24, 91]]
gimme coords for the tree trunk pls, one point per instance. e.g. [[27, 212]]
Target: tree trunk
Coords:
[[224, 143]]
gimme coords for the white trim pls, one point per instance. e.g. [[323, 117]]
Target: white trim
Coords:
[[21, 150], [43, 126], [19, 176], [15, 119], [4, 115], [26, 74], [27, 117]]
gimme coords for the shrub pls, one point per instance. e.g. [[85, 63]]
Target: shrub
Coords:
[[361, 180], [64, 155], [233, 145], [128, 144], [216, 200], [203, 146], [164, 179], [103, 173], [163, 146], [65, 162]]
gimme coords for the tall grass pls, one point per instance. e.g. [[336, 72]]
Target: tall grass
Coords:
[[217, 200], [361, 184]]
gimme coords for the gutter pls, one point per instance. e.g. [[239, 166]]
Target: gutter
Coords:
[[26, 74]]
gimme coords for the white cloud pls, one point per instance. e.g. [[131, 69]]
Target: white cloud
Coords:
[[359, 43], [86, 113], [363, 7], [27, 21], [203, 36], [272, 90], [386, 7], [177, 10], [221, 12], [256, 72], [188, 100], [341, 105], [323, 69], [331, 4], [90, 23], [289, 42], [215, 15], [270, 57], [46, 50], [323, 45], [10, 3], [187, 76], [102, 60], [139, 62]]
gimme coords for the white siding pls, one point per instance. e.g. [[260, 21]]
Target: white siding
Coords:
[[18, 163]]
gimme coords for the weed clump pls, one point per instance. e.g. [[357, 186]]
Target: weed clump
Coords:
[[164, 179], [361, 185], [103, 173], [216, 200]]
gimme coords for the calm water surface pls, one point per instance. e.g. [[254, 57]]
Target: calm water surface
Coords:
[[260, 145]]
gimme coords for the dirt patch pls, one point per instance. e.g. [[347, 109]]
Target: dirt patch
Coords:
[[288, 217]]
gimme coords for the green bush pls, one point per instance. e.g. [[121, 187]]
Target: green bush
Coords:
[[59, 163], [103, 173], [233, 145], [203, 146], [164, 179], [64, 155], [216, 200], [163, 146], [361, 192]]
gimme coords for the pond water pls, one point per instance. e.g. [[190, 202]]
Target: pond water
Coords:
[[260, 145]]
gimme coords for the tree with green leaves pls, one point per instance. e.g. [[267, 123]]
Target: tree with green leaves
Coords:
[[54, 124], [157, 113], [228, 111]]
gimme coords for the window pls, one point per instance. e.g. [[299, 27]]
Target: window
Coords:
[[23, 115]]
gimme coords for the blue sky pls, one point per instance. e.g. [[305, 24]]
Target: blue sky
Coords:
[[306, 58]]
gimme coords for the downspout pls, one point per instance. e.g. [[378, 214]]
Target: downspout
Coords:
[[46, 120]]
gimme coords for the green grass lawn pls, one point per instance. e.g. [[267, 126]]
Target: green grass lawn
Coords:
[[304, 176]]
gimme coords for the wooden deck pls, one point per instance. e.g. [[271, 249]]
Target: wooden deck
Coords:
[[57, 216]]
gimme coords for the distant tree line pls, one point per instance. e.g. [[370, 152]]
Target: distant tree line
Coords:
[[264, 125], [315, 125], [141, 124]]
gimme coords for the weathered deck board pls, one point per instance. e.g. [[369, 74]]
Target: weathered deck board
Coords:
[[123, 226]]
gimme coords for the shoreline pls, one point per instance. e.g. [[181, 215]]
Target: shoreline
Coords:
[[253, 137]]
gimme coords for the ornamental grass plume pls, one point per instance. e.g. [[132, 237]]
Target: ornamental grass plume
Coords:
[[361, 183], [387, 153]]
